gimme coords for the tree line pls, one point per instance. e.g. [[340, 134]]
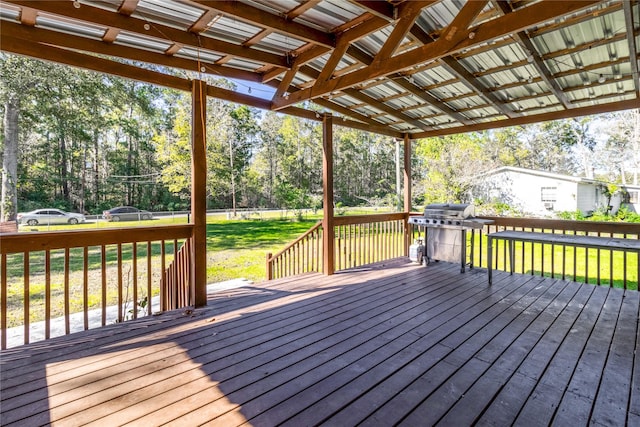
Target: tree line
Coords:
[[83, 141]]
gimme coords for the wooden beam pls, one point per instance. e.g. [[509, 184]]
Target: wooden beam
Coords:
[[283, 87], [199, 192], [517, 21], [351, 34], [301, 9], [138, 26], [354, 93], [536, 60], [408, 13], [49, 37], [28, 16], [432, 100], [328, 230], [534, 118], [257, 37], [455, 68], [381, 9], [631, 40], [110, 35], [128, 7], [267, 20], [456, 31], [332, 62], [345, 111], [203, 22], [89, 62]]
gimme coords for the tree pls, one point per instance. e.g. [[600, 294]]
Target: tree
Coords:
[[621, 154], [16, 89], [451, 165]]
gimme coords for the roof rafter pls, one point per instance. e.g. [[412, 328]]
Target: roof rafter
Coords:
[[407, 15], [127, 7], [386, 108], [89, 62], [68, 41], [371, 101], [138, 26], [432, 100], [464, 75], [537, 62], [381, 9], [266, 20], [554, 115], [516, 21]]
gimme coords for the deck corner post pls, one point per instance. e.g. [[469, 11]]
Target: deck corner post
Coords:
[[199, 193], [269, 268], [407, 192], [328, 234]]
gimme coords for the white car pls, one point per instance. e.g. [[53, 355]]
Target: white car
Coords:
[[49, 216]]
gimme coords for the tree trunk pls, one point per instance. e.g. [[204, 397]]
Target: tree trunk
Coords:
[[9, 198]]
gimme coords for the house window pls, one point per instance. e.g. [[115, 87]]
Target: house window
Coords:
[[549, 194]]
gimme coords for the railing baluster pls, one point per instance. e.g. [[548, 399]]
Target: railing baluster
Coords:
[[610, 269], [175, 274], [103, 263], [26, 297], [67, 313], [134, 266], [119, 249], [586, 265], [3, 304], [47, 294], [149, 275], [85, 286], [164, 300]]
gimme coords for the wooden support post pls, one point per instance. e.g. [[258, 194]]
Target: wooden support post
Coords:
[[328, 233], [199, 193], [269, 266], [407, 191]]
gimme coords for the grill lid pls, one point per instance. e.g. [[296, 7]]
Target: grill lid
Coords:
[[449, 210]]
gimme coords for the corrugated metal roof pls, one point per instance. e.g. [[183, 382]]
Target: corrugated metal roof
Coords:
[[578, 58]]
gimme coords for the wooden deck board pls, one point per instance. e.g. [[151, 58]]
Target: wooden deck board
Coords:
[[393, 343]]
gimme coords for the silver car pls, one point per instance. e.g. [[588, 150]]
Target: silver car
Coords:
[[49, 216], [126, 213]]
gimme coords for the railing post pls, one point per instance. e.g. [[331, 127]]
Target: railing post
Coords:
[[269, 267]]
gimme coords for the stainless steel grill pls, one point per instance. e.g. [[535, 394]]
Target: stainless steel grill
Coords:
[[446, 227]]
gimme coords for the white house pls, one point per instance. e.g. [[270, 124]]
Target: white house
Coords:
[[542, 193]]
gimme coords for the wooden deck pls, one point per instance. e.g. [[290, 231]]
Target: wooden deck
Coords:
[[403, 344]]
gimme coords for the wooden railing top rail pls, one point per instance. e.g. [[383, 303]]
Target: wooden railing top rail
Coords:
[[37, 241], [295, 242], [364, 219], [562, 224]]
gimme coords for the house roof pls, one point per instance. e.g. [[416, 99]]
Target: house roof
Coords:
[[395, 67], [545, 174]]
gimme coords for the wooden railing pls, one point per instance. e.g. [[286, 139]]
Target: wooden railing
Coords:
[[596, 266], [46, 276], [176, 279], [366, 239], [360, 240], [303, 255]]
